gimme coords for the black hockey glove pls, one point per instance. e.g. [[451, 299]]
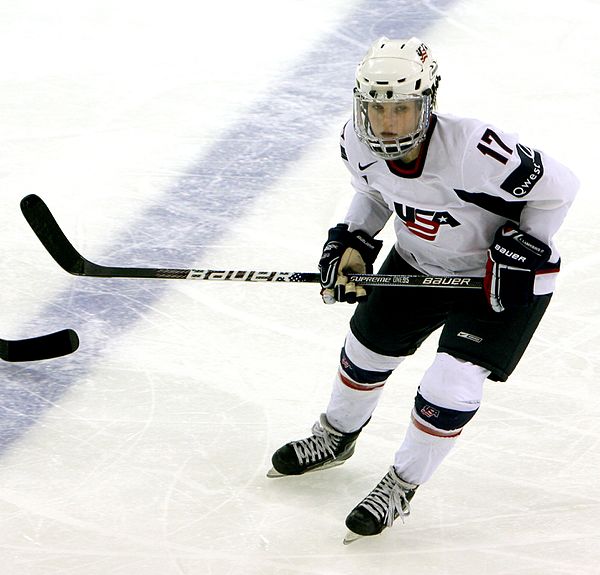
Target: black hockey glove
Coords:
[[345, 253], [512, 260]]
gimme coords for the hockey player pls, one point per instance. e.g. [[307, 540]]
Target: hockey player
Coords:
[[466, 199]]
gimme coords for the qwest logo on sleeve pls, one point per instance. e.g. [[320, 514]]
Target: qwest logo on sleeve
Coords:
[[424, 223]]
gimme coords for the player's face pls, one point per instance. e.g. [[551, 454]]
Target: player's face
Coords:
[[391, 120]]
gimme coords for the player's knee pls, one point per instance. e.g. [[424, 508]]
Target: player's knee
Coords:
[[361, 366], [453, 383], [449, 395]]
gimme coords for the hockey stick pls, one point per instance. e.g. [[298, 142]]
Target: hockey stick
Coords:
[[47, 346], [48, 231]]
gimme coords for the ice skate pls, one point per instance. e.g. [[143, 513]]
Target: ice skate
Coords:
[[326, 447], [389, 499]]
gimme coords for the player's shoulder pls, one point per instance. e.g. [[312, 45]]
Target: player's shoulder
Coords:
[[475, 142], [495, 160], [464, 132]]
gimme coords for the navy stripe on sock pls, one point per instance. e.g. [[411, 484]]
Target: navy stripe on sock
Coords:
[[360, 375], [441, 417]]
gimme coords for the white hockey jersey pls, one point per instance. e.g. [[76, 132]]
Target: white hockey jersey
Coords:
[[469, 179]]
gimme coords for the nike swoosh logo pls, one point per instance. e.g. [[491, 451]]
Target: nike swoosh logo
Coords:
[[363, 168]]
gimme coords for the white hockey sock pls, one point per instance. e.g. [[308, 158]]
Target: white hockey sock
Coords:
[[448, 397], [358, 385], [420, 454], [349, 408]]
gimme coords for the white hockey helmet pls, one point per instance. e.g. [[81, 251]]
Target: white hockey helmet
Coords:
[[395, 71]]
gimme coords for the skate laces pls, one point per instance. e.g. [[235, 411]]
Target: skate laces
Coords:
[[323, 443], [388, 499]]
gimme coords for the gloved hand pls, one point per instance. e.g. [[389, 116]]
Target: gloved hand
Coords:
[[513, 258], [346, 253]]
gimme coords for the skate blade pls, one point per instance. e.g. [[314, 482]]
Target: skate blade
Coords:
[[335, 463], [274, 473], [351, 537]]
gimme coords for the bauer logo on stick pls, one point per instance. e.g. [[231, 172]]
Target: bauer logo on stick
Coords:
[[240, 275]]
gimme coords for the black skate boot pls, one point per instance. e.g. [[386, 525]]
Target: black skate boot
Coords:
[[389, 499], [326, 447]]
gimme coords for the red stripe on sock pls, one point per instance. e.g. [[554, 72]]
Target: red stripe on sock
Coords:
[[434, 432], [359, 386]]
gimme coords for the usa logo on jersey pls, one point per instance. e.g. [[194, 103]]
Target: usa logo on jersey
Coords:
[[424, 223]]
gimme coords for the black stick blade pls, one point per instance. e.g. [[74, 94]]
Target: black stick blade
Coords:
[[48, 231], [46, 228], [46, 346]]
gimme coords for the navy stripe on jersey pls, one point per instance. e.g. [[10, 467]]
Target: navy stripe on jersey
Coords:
[[343, 138], [509, 210], [343, 152]]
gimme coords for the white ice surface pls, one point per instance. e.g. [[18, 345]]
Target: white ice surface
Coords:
[[146, 451]]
